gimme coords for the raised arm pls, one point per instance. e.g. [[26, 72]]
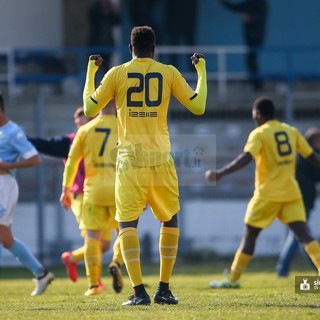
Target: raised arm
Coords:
[[91, 107], [198, 104], [195, 100], [23, 163]]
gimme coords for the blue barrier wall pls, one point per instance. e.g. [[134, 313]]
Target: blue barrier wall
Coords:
[[290, 23]]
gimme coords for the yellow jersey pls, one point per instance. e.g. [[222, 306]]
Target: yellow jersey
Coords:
[[95, 143], [142, 89], [274, 146]]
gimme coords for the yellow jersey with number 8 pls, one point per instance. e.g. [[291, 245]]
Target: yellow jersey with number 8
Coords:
[[274, 146]]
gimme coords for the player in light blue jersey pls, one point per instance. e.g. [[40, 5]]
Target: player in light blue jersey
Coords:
[[16, 152]]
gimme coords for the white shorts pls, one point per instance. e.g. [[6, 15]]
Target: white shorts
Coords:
[[9, 193]]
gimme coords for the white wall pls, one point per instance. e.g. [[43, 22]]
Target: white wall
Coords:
[[31, 23], [219, 224]]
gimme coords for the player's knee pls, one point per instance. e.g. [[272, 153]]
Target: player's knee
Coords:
[[173, 223], [128, 224], [301, 232], [248, 246], [303, 237]]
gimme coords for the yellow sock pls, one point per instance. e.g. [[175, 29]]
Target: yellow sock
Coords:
[[239, 264], [117, 255], [92, 259], [313, 250], [78, 254], [168, 248], [130, 248]]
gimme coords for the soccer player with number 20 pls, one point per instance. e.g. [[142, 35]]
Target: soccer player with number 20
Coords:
[[145, 173]]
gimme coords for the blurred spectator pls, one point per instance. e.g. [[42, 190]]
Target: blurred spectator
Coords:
[[142, 13], [180, 30], [308, 176], [254, 17], [104, 16]]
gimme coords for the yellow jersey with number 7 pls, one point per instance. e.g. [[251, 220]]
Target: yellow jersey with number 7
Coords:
[[95, 143]]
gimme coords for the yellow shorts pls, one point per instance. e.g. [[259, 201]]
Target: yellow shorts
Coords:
[[98, 218], [156, 186], [261, 213], [76, 206]]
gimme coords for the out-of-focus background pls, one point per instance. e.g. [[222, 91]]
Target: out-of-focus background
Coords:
[[44, 48]]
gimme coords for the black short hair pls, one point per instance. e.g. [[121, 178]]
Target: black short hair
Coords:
[[265, 106], [1, 101], [143, 37], [79, 113]]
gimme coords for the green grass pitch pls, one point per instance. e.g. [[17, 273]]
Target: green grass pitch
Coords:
[[262, 296]]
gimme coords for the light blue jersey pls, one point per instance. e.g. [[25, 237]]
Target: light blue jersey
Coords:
[[14, 144]]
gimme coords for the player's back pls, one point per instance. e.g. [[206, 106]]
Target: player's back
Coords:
[[142, 89], [99, 139], [279, 140], [276, 160]]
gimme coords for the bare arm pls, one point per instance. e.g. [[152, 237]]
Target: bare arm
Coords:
[[238, 163], [23, 163]]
